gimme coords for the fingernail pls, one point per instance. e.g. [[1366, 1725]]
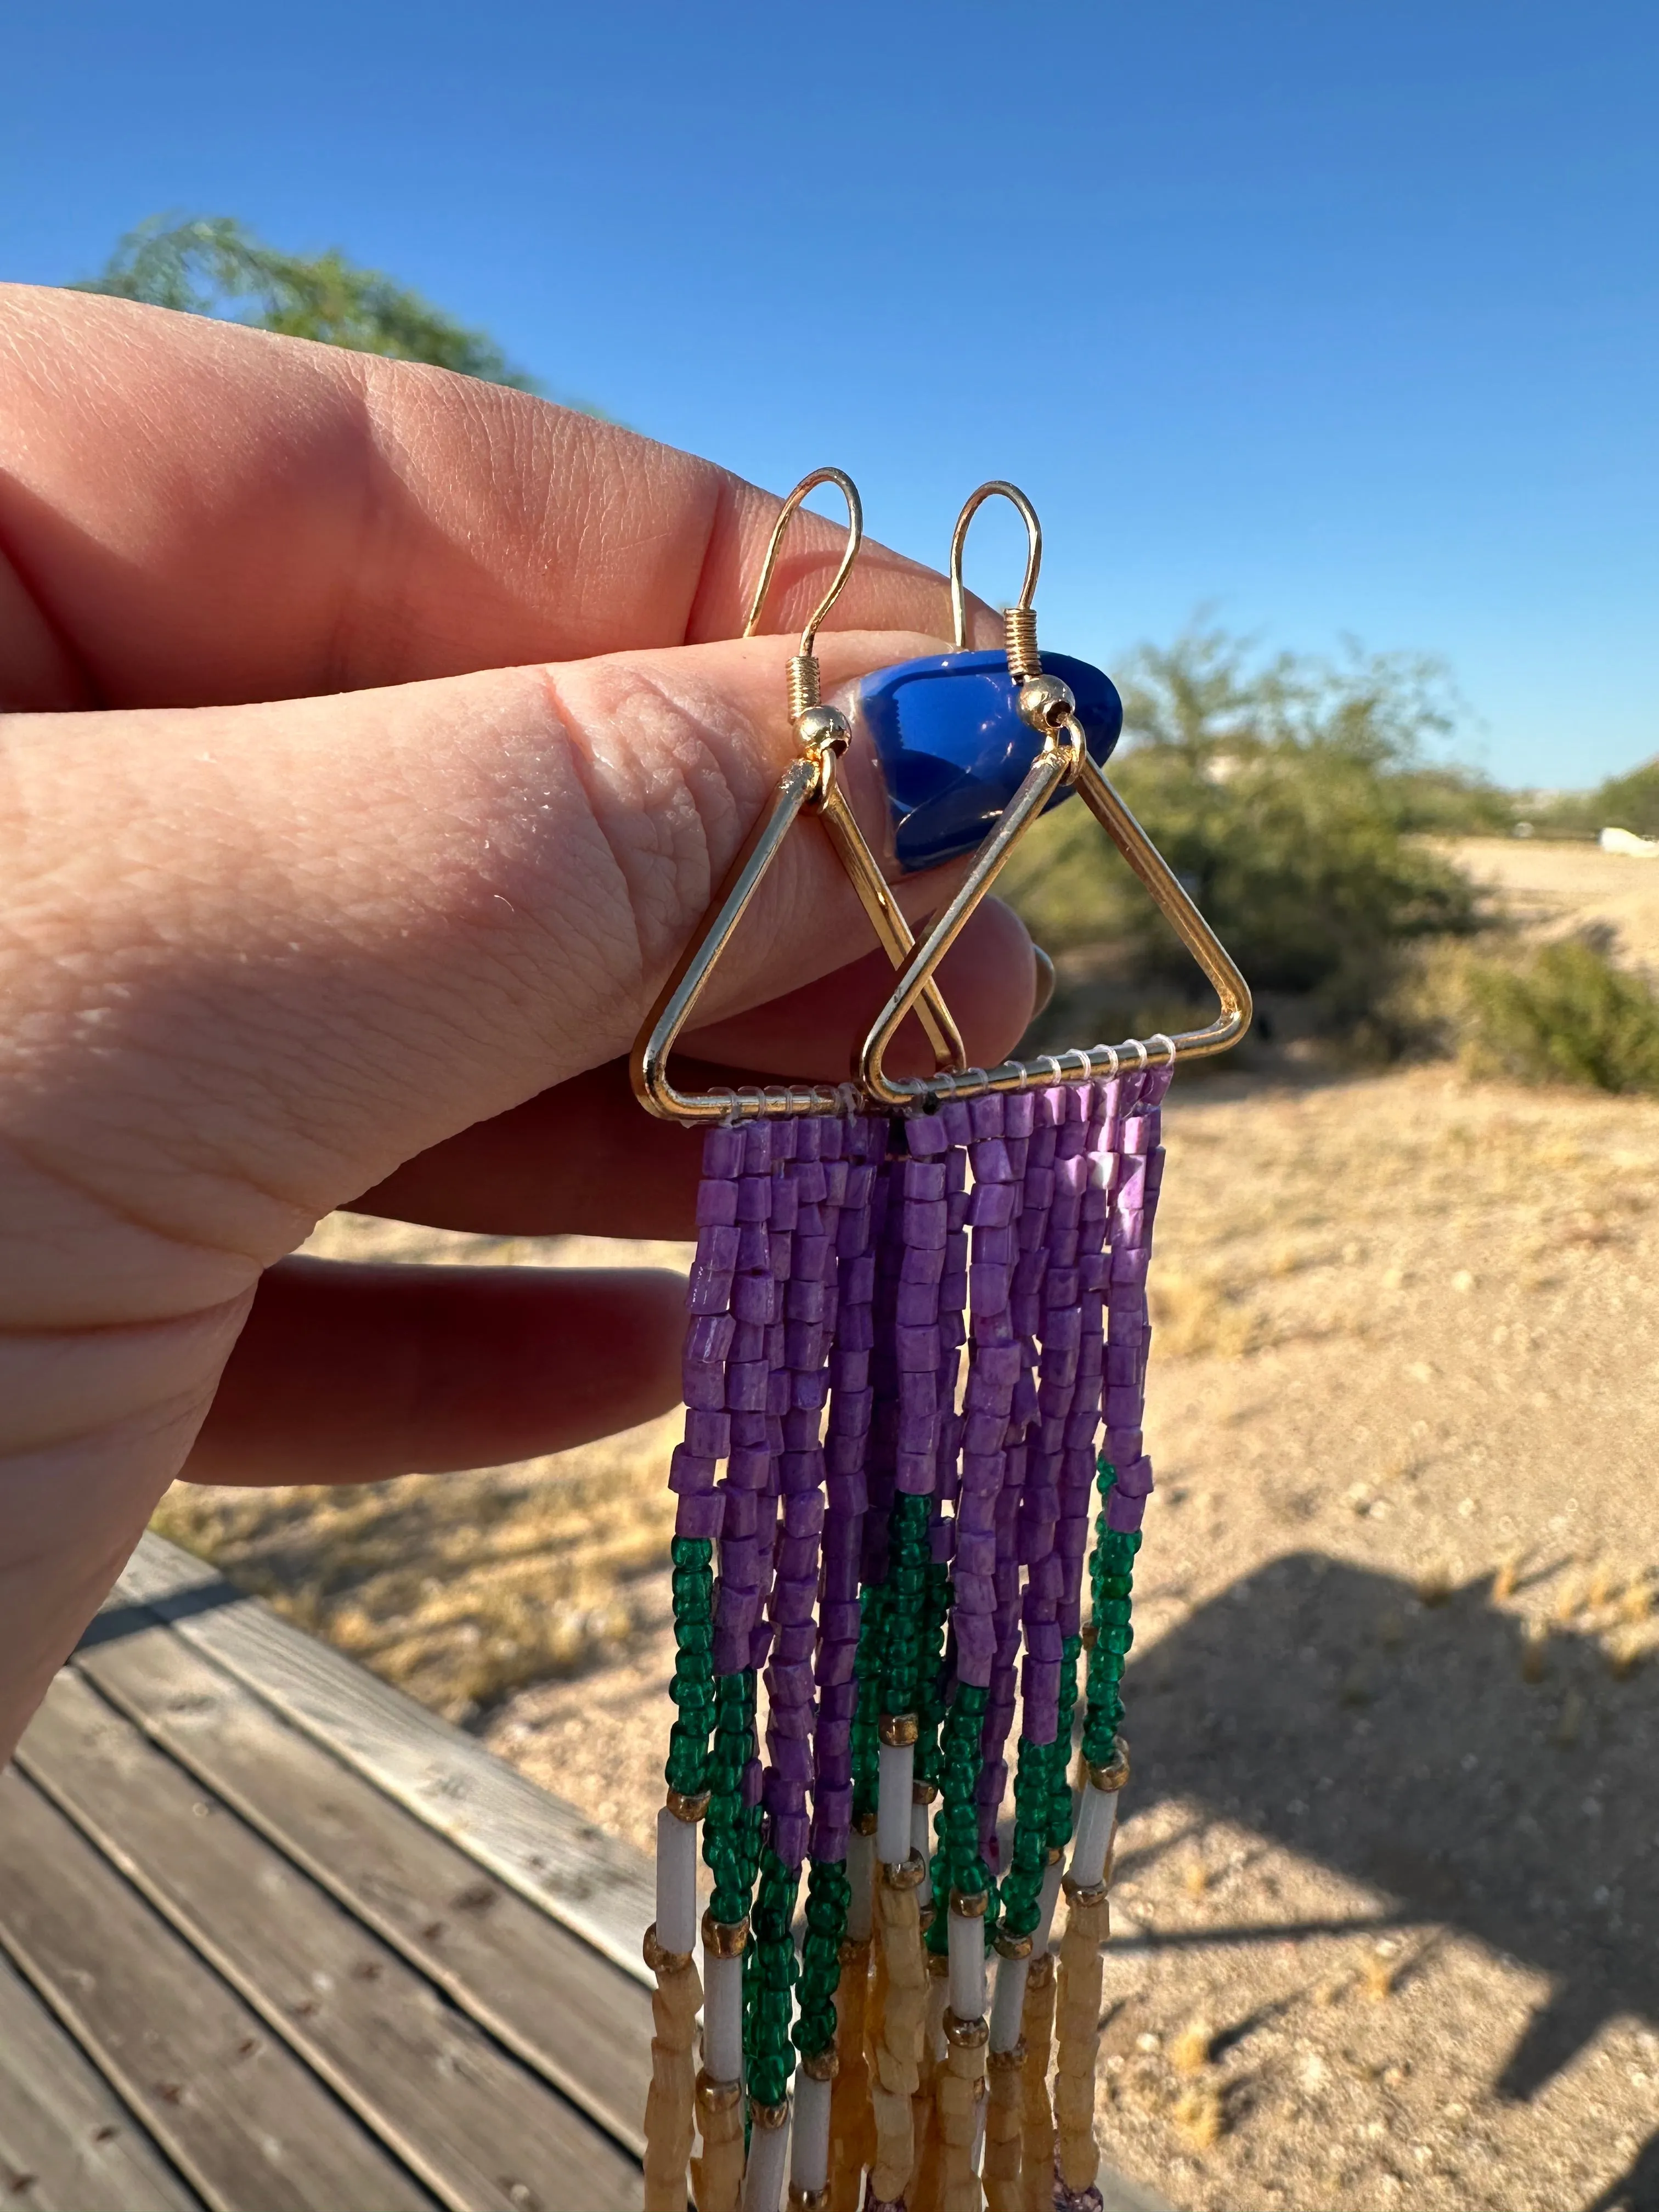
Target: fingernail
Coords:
[[1045, 979]]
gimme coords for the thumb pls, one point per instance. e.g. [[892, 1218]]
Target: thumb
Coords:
[[263, 954]]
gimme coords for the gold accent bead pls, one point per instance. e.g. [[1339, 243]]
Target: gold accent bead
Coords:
[[1116, 1772], [966, 2034], [685, 1809], [1013, 1946], [769, 2116], [853, 1949], [923, 1793], [938, 1965], [1006, 2062], [864, 1825], [1076, 1894], [725, 1939], [718, 2096], [897, 1729], [818, 729], [809, 2200], [1042, 1971], [821, 2065], [970, 1904], [1054, 1856], [661, 1961], [907, 1874]]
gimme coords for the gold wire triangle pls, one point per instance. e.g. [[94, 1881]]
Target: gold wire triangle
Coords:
[[1065, 757], [807, 783]]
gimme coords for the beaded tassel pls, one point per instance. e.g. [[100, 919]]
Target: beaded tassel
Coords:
[[899, 1574]]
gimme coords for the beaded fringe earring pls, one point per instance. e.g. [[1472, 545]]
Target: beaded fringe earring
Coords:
[[914, 1304]]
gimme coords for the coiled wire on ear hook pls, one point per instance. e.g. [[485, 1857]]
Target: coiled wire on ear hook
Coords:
[[1020, 619], [803, 675]]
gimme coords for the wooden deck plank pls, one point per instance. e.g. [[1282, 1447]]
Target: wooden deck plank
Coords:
[[234, 2109], [542, 1990], [67, 2142], [483, 2134], [599, 1885]]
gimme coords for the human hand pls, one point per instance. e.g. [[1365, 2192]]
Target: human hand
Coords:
[[380, 737]]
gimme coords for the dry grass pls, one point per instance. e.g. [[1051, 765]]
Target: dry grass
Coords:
[[1189, 2053], [460, 1589], [1378, 1977], [1198, 1313], [1200, 2116]]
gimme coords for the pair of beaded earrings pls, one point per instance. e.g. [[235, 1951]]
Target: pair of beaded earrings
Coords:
[[913, 1302]]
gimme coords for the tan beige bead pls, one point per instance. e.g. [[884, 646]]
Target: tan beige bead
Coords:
[[1002, 2131], [852, 2133], [961, 2088], [717, 2175], [1078, 2035], [670, 2104], [922, 2194], [1036, 2117], [898, 2055]]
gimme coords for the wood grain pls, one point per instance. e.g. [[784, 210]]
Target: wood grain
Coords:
[[542, 1992], [600, 1887], [483, 2134], [67, 2142], [250, 2127]]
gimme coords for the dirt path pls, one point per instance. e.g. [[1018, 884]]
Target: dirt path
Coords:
[[1557, 887], [1387, 1932]]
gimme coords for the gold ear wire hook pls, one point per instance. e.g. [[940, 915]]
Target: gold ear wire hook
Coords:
[[1020, 619], [809, 785], [1048, 706], [804, 664]]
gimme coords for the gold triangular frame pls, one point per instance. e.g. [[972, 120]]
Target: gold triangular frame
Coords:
[[1065, 757], [810, 783]]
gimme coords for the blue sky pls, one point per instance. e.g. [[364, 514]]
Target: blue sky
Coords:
[[1341, 319]]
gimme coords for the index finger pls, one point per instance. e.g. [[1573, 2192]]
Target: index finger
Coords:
[[193, 513]]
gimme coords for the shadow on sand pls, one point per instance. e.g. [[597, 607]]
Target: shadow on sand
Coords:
[[1323, 1706]]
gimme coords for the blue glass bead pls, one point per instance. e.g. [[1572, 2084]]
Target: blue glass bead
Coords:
[[953, 749]]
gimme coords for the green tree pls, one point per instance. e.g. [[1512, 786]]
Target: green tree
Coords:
[[211, 265], [1631, 802], [1287, 797]]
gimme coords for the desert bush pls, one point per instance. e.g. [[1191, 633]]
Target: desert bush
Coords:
[[1632, 802], [1288, 798], [1623, 802], [1564, 1013]]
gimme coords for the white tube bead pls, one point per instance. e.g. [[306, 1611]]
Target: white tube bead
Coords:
[[895, 1771], [919, 1844], [809, 2146], [1047, 1901], [1008, 2005], [861, 1876], [676, 1882], [968, 1965], [763, 2175], [722, 2017], [1097, 1816], [938, 1991]]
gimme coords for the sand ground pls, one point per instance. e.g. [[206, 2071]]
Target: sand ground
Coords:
[[1387, 1929]]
